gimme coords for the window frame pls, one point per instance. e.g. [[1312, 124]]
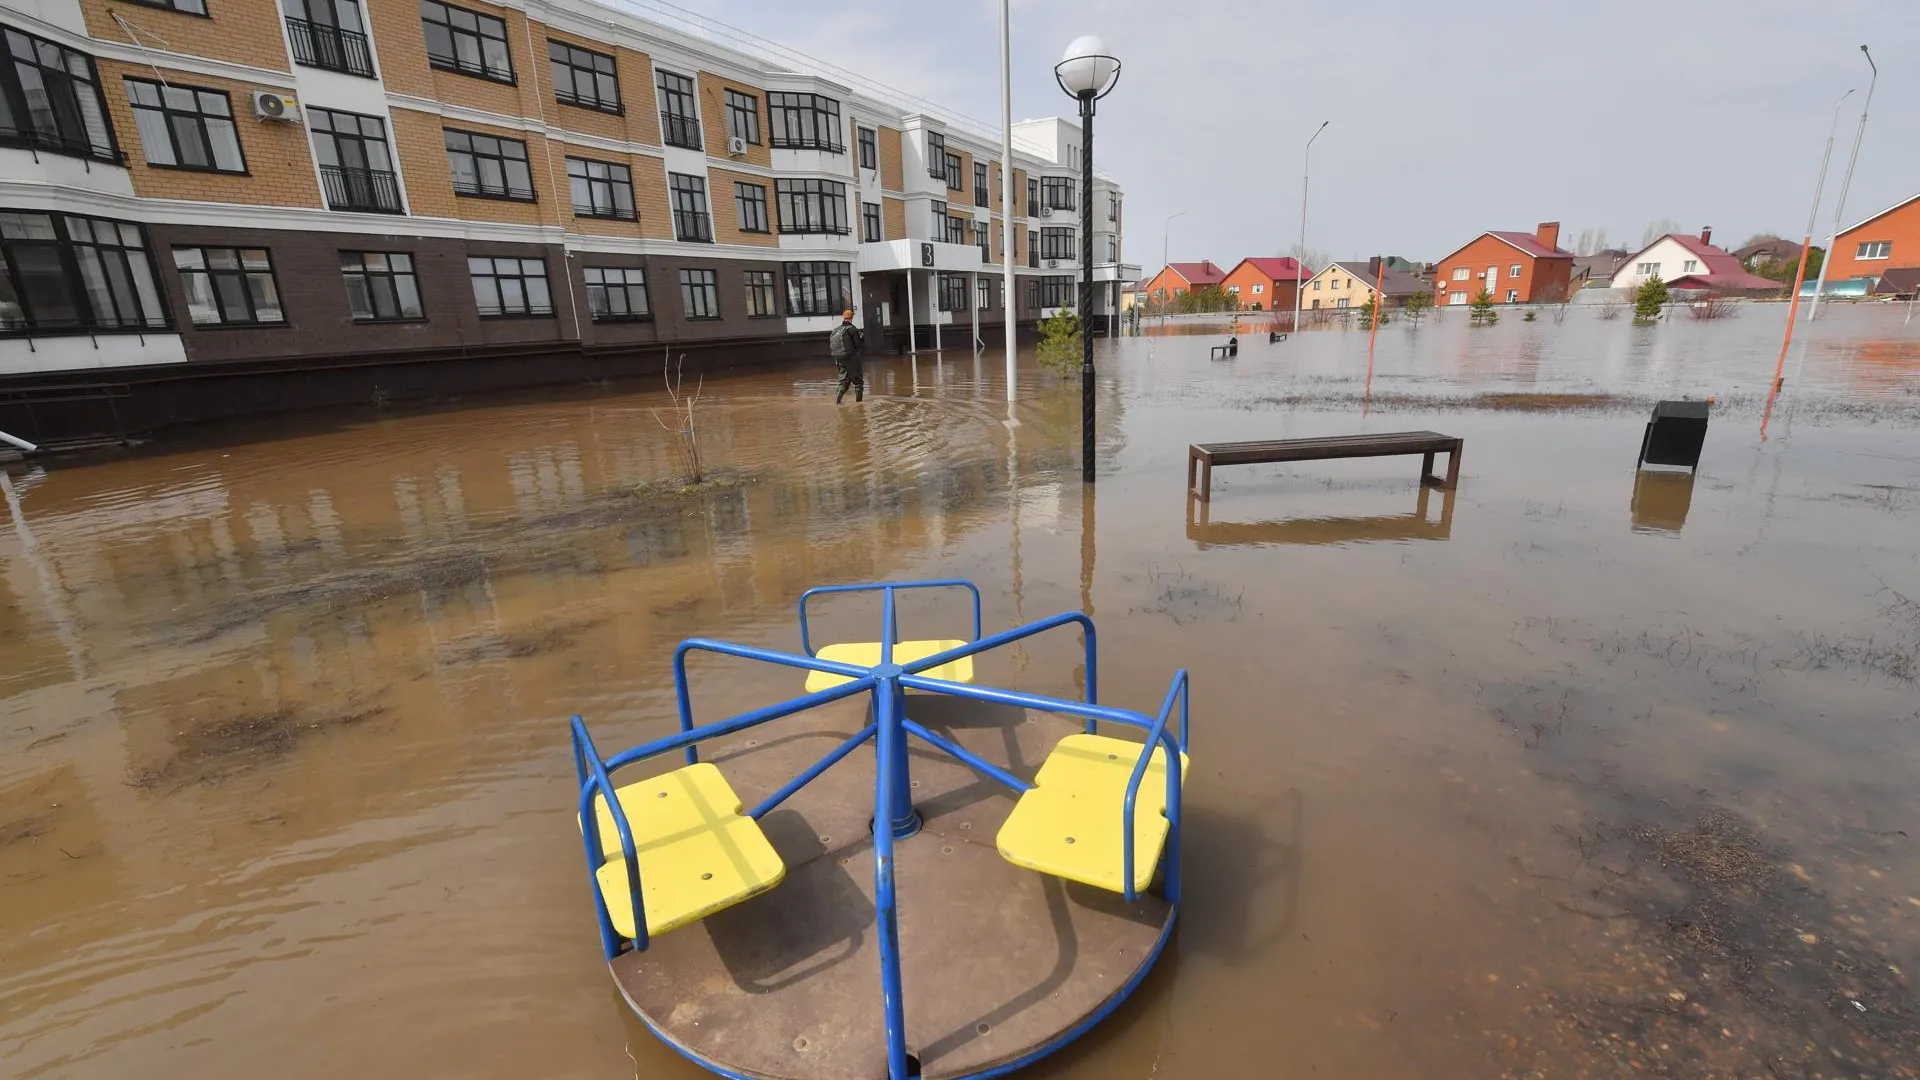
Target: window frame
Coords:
[[527, 309], [872, 224], [983, 293], [452, 62], [709, 294], [762, 291], [591, 68], [625, 285], [677, 127], [73, 272], [682, 191], [981, 189], [955, 173], [869, 141], [1056, 193], [1647, 269], [740, 106], [329, 45], [756, 202], [72, 82], [936, 155], [479, 189], [1514, 270], [174, 6], [818, 287], [392, 277], [612, 184], [200, 120], [1460, 273], [248, 278], [811, 205], [1033, 196], [952, 292], [382, 182], [803, 121], [1513, 296], [1056, 242], [1865, 251]]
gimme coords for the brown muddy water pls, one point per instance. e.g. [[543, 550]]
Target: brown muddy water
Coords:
[[1569, 774]]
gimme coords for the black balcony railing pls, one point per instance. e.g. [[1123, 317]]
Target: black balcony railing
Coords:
[[373, 191], [692, 226], [682, 131], [322, 46]]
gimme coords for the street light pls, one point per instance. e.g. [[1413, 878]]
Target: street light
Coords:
[[1299, 262], [1806, 246], [1166, 235], [1846, 181], [1086, 72]]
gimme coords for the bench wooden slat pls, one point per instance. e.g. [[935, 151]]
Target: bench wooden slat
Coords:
[[1204, 456]]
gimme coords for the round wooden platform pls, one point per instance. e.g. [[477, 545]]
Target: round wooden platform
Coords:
[[999, 965]]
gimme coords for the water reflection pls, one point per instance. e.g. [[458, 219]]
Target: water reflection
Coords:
[[1415, 525], [1661, 499]]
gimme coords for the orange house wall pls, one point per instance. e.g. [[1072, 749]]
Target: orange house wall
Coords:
[[1277, 293], [1902, 227], [1541, 280]]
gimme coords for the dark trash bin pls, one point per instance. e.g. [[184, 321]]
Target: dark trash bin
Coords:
[[1675, 435]]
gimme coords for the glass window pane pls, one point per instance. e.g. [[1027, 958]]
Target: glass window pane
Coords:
[[358, 300], [409, 295], [266, 298], [232, 291], [537, 293], [226, 146]]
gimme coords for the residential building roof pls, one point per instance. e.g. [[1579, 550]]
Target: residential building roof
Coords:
[[1530, 244], [1280, 268], [1199, 274], [1726, 283], [1723, 271], [1398, 283], [1600, 265], [1768, 247], [1875, 217], [1899, 281]]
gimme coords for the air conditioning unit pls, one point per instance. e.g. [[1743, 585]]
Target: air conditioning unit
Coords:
[[1053, 264], [1046, 211], [273, 105], [736, 146]]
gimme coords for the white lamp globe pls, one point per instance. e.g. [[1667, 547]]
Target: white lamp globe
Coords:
[[1086, 68]]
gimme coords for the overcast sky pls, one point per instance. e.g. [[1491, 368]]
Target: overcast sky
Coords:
[[1603, 115]]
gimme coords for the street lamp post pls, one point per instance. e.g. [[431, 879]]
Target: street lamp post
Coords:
[[1086, 72], [1806, 243], [1300, 256], [1846, 181], [1166, 236]]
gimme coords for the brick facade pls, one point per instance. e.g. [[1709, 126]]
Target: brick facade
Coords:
[[1899, 228], [279, 160], [238, 31]]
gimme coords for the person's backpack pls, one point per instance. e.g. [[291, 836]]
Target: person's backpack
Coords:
[[840, 342]]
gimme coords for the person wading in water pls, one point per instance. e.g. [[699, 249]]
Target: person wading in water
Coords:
[[846, 344]]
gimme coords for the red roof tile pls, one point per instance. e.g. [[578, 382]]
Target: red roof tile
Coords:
[[1284, 268], [1530, 244], [1720, 269], [1199, 274]]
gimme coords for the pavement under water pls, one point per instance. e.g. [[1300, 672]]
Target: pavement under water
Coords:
[[1572, 772]]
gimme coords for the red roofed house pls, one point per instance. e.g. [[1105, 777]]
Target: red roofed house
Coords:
[[1182, 277], [1888, 240], [1516, 267], [1265, 284], [1690, 262]]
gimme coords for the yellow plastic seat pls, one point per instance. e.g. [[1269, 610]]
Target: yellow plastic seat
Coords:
[[867, 654], [1068, 825], [698, 852]]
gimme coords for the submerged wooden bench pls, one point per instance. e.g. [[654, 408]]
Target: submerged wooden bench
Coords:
[[1202, 457]]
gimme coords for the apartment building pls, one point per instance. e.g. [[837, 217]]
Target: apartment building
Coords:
[[220, 207]]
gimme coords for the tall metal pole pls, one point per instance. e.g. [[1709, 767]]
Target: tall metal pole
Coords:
[[1846, 181], [1166, 236], [1300, 264], [1086, 287], [1009, 302], [1806, 242]]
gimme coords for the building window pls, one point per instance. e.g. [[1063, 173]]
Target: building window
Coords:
[[381, 286], [1647, 269], [1056, 243], [869, 148], [752, 202], [1033, 196], [953, 292], [980, 190], [229, 286], [583, 77], [1233, 290], [1459, 274], [1316, 286], [690, 220], [50, 100], [1513, 295], [743, 117], [510, 287], [804, 122], [762, 303], [1690, 266], [936, 155], [983, 294], [329, 34], [939, 210], [356, 165], [1113, 206], [679, 126], [466, 41], [184, 7], [1342, 302], [1056, 292], [66, 273], [1316, 304], [954, 175], [1874, 249], [488, 167], [601, 189], [870, 222], [616, 294], [983, 238], [1258, 288], [1057, 191], [812, 206], [1033, 247], [700, 294], [819, 288], [956, 232], [183, 127]]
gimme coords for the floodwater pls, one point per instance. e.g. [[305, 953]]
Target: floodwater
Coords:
[[1570, 774]]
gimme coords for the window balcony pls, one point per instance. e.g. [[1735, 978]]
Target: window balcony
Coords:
[[373, 191], [692, 227], [681, 131], [322, 46]]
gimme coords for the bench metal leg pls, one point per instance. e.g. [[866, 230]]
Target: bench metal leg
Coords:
[[1453, 466], [1426, 470], [1206, 480], [1192, 462]]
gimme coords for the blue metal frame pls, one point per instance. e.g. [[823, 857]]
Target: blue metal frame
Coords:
[[888, 682]]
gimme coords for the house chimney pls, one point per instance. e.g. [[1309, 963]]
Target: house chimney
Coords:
[[1706, 234], [1548, 234]]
